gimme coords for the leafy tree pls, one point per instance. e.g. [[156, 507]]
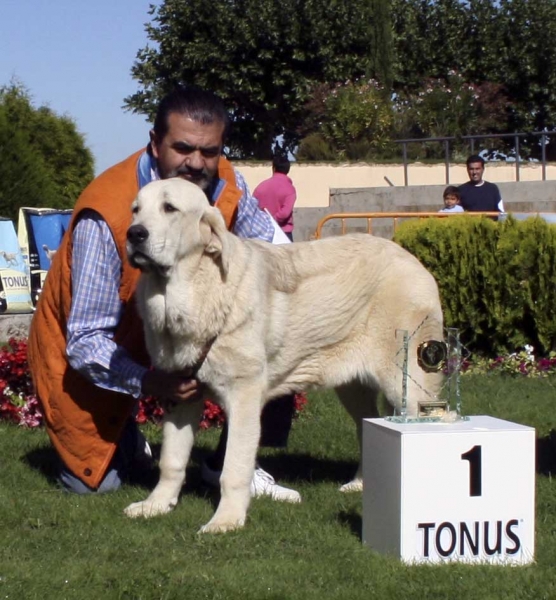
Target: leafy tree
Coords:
[[270, 62], [358, 121], [24, 179], [353, 119], [450, 107], [45, 162], [262, 57], [381, 50], [481, 43], [428, 40], [498, 45], [528, 61]]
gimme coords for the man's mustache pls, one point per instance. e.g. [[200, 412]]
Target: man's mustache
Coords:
[[194, 173]]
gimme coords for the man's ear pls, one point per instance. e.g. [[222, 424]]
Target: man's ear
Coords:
[[217, 246], [154, 143]]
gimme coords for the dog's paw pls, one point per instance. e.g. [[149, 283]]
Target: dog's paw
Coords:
[[221, 526], [356, 485], [148, 509]]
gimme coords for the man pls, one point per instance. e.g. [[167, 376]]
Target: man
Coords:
[[86, 347], [478, 195], [277, 195]]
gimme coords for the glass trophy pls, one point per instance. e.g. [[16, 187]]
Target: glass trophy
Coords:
[[442, 402]]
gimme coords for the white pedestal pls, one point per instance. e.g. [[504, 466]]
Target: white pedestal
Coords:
[[436, 492]]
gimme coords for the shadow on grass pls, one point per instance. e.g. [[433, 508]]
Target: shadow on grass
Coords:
[[304, 467], [284, 468], [44, 460], [546, 454], [353, 521], [287, 469]]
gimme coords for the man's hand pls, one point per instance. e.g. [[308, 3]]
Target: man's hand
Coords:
[[175, 387]]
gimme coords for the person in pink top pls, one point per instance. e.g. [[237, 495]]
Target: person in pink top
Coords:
[[278, 195]]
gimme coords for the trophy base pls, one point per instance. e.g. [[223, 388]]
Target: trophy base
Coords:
[[438, 409], [447, 419], [430, 412]]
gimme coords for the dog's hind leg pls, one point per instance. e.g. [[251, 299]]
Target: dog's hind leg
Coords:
[[244, 428], [360, 400], [180, 425]]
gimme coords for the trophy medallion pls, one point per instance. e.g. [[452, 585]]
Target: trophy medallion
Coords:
[[437, 358]]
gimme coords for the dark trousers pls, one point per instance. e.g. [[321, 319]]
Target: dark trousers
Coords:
[[120, 469], [276, 422]]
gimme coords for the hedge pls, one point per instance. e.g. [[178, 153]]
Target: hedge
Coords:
[[496, 279]]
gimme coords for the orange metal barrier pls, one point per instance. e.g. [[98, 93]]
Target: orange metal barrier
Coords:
[[395, 216]]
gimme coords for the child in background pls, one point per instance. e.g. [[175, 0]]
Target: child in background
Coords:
[[451, 200]]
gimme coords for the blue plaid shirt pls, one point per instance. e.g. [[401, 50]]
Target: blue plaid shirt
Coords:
[[96, 307]]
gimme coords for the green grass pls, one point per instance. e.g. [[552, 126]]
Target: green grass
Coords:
[[56, 545]]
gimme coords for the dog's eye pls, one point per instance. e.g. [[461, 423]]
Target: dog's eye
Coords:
[[169, 208], [134, 209]]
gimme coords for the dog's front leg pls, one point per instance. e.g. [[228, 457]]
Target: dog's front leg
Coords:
[[180, 425], [244, 429]]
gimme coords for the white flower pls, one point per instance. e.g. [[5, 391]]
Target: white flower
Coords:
[[529, 350]]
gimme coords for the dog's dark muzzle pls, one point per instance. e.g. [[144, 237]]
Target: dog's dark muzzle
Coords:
[[139, 256], [137, 234]]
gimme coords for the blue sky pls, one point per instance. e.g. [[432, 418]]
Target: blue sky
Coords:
[[76, 58]]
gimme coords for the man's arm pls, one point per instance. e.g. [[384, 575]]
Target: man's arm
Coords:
[[500, 201], [96, 310], [251, 221], [95, 314], [286, 207]]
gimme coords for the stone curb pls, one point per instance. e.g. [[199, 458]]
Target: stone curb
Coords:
[[14, 326]]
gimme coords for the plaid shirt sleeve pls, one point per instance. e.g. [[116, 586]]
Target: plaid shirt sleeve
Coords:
[[251, 221], [96, 310]]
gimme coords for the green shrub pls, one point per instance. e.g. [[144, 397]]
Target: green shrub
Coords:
[[315, 148], [496, 280]]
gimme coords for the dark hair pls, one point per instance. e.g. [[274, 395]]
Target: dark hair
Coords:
[[200, 105], [281, 164], [452, 190], [475, 158]]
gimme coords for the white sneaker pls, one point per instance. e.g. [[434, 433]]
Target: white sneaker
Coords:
[[262, 484]]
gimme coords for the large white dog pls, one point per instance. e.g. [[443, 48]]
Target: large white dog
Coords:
[[259, 321]]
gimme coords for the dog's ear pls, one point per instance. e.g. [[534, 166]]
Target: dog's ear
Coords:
[[217, 246]]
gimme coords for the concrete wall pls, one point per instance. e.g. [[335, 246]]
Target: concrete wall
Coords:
[[328, 188], [314, 181], [535, 196]]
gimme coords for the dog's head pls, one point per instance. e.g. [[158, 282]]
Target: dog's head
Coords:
[[173, 220]]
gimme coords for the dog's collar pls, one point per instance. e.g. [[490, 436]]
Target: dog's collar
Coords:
[[194, 369]]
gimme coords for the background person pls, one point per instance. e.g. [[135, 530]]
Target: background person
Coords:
[[86, 348], [277, 194], [478, 195], [451, 197]]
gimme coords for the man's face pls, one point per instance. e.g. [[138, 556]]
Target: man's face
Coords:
[[475, 171], [189, 150]]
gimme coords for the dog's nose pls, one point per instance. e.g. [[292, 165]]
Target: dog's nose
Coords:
[[137, 234]]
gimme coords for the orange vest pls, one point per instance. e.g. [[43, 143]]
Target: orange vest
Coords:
[[85, 422]]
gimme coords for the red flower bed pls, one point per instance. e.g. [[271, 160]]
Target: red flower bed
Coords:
[[19, 404], [17, 400]]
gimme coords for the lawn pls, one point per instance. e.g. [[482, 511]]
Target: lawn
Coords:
[[59, 546]]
